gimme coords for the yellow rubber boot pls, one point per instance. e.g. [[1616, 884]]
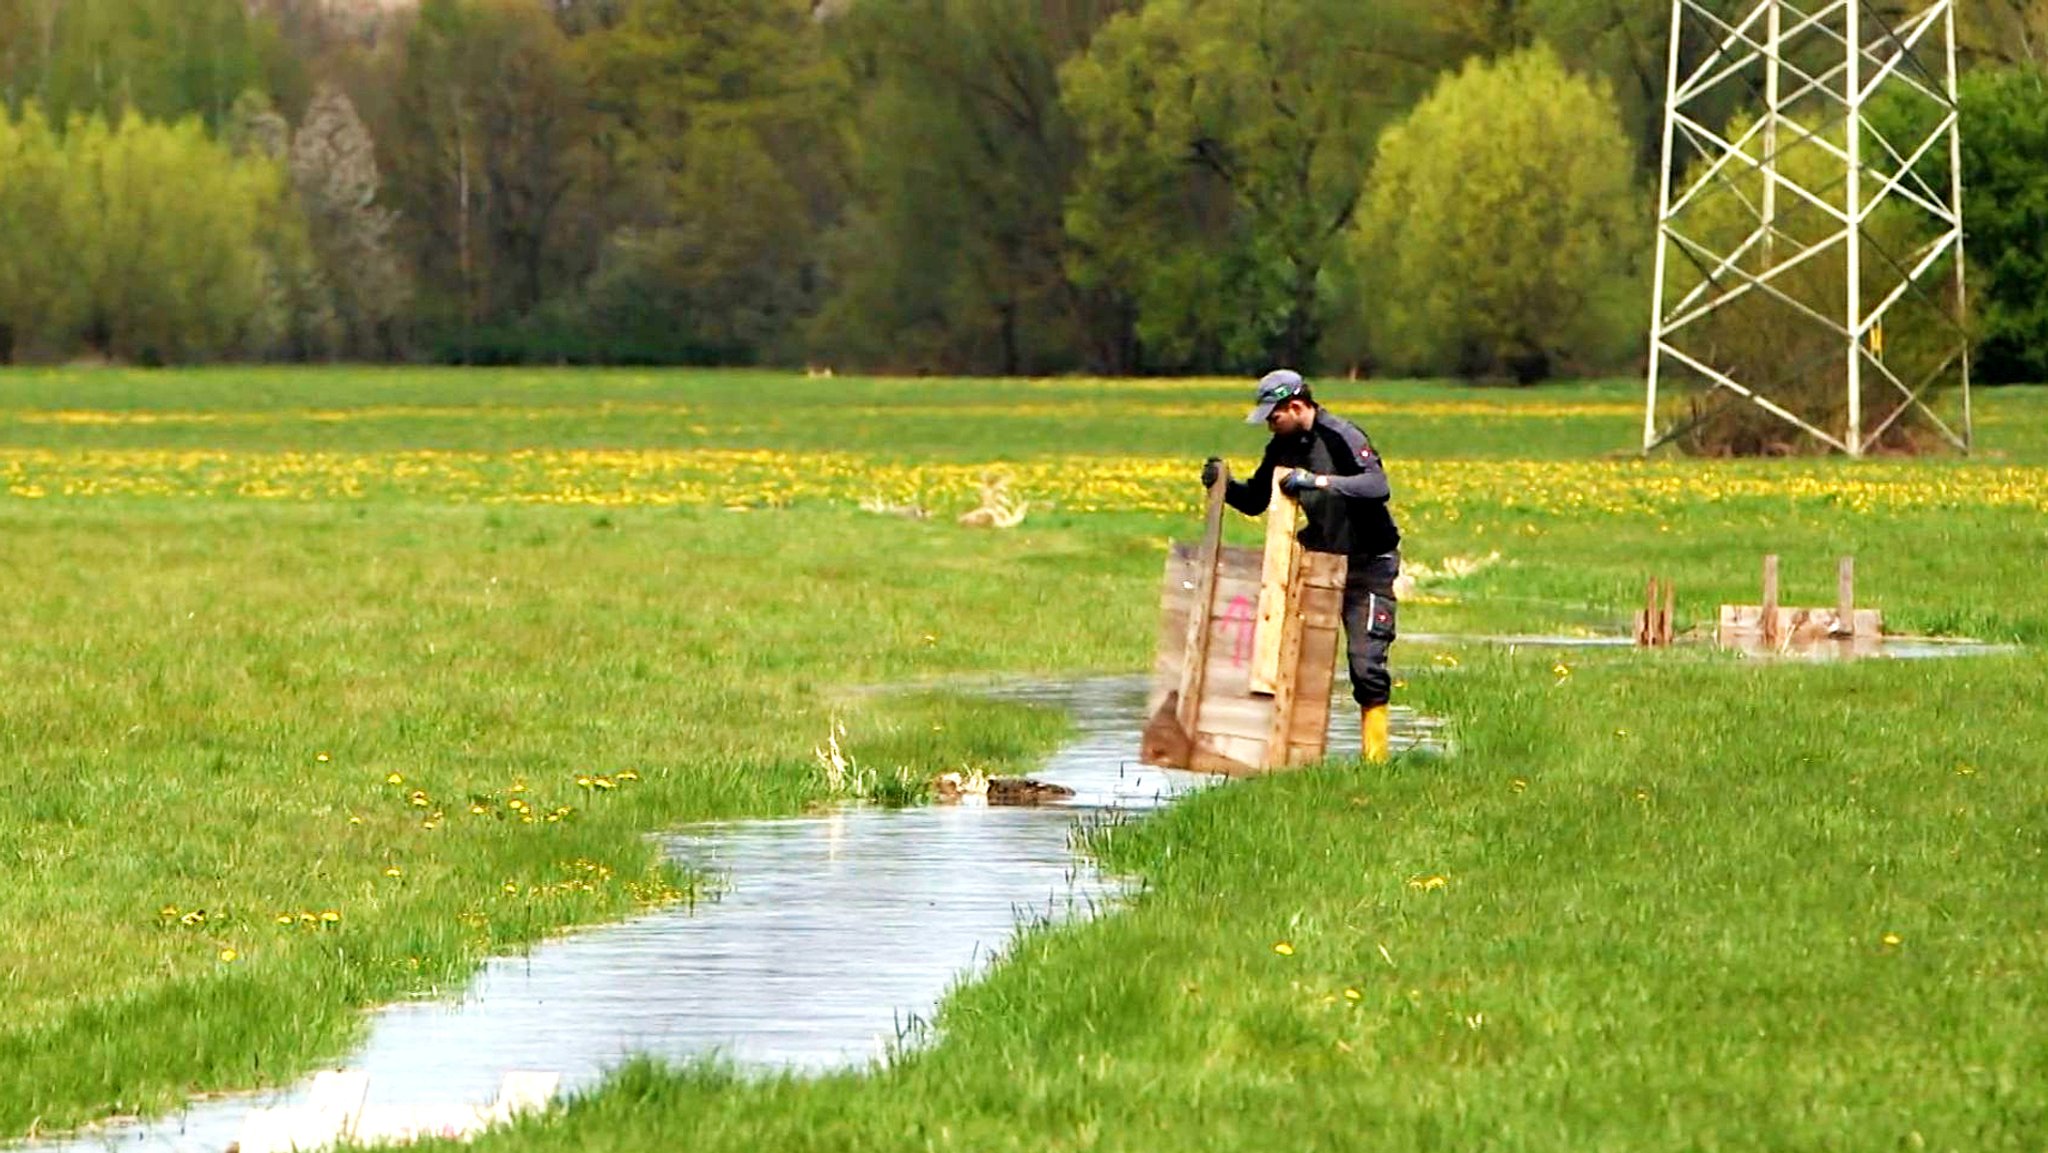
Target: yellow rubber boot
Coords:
[[1372, 734]]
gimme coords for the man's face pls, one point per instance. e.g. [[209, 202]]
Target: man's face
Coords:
[[1291, 418]]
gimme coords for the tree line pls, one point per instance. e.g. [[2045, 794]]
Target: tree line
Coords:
[[1456, 187]]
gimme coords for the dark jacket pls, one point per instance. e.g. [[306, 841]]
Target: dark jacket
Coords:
[[1349, 517]]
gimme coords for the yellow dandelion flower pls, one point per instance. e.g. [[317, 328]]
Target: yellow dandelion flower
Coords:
[[167, 911], [1353, 995], [1428, 884], [510, 887], [1284, 949], [394, 871], [320, 757], [1892, 940], [394, 779], [284, 918], [330, 917], [229, 956], [630, 775]]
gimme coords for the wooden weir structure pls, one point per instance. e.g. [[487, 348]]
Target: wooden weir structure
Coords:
[[1247, 649]]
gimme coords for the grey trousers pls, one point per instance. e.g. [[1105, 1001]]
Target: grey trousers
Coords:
[[1369, 625]]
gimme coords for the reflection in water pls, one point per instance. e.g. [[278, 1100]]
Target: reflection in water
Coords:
[[832, 932]]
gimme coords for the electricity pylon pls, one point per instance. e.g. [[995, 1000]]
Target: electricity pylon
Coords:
[[1811, 191]]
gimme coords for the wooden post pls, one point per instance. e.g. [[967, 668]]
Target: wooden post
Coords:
[[1646, 627], [1845, 597], [1770, 615], [1275, 577], [1195, 658], [1670, 610]]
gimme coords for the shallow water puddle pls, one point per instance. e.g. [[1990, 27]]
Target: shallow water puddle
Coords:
[[831, 934], [1904, 648]]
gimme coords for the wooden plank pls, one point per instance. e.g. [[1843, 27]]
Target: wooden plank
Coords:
[[1276, 577], [1749, 627], [1244, 716], [1222, 753], [1324, 570], [1315, 677], [1165, 743], [1845, 589], [1280, 732], [1666, 628], [1195, 658]]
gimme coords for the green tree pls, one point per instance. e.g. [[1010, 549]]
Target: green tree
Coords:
[[28, 31], [951, 259], [489, 146], [722, 131], [1228, 142], [165, 59], [172, 245], [40, 300], [2004, 137], [1502, 225], [2002, 31]]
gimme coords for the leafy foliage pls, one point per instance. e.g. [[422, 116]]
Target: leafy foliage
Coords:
[[1503, 224], [2005, 134], [977, 186]]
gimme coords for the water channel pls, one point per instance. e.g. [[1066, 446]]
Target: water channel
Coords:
[[830, 934]]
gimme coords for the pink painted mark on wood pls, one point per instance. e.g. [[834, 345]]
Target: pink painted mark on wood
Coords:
[[1240, 620]]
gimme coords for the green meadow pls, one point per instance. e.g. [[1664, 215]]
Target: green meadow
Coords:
[[278, 752]]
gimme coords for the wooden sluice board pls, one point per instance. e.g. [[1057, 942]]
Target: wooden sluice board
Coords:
[[1248, 642]]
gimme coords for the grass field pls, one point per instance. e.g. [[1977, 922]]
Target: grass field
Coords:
[[323, 685]]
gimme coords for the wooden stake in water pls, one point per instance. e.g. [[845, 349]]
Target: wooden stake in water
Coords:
[[1845, 596], [1770, 613]]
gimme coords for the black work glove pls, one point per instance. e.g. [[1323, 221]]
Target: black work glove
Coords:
[[1297, 481], [1211, 469]]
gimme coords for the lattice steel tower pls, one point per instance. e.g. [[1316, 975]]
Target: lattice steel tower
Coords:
[[1811, 199]]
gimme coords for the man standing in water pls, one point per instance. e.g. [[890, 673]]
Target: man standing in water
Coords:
[[1327, 464]]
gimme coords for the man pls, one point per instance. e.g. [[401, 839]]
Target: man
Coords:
[[1327, 464]]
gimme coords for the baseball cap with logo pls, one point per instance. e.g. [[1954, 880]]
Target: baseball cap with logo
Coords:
[[1275, 389]]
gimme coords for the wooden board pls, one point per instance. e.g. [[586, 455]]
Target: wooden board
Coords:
[[1747, 627], [1236, 729], [1276, 582]]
